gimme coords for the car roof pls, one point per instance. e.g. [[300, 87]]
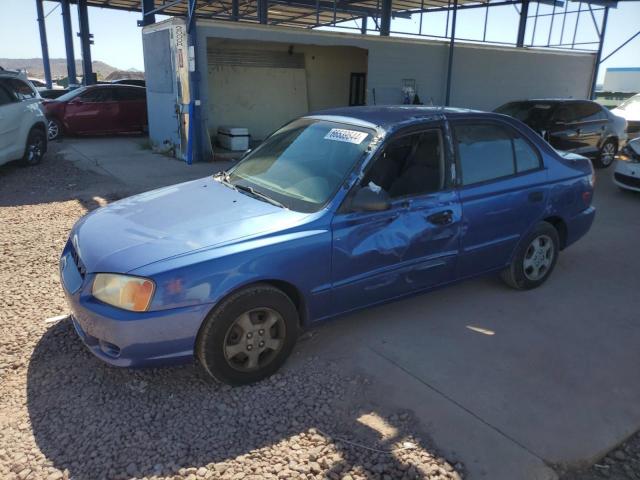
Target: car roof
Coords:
[[552, 100], [389, 116], [113, 85]]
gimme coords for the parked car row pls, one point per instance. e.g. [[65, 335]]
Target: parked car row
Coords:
[[578, 126], [627, 171], [96, 110], [23, 125]]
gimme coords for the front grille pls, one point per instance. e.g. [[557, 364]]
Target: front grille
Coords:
[[76, 259], [626, 180]]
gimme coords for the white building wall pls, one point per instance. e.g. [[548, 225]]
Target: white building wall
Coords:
[[622, 80], [484, 76]]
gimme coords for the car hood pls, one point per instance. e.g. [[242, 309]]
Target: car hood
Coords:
[[629, 115], [170, 221]]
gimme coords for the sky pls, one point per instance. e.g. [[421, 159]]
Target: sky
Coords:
[[117, 38]]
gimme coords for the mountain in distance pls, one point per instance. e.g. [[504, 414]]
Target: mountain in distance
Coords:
[[35, 69]]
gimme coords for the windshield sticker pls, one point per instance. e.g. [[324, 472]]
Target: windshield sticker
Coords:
[[349, 136]]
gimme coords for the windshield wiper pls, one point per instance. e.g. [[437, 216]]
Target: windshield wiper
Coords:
[[259, 195]]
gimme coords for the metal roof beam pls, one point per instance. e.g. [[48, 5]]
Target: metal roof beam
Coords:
[[340, 6]]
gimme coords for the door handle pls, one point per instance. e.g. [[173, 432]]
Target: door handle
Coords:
[[441, 218], [535, 197]]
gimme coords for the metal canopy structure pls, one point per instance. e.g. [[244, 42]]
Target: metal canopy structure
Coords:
[[294, 13], [363, 16]]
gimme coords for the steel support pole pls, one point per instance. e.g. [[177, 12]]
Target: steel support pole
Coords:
[[235, 10], [263, 11], [447, 99], [385, 18], [68, 42], [363, 26], [196, 146], [85, 42], [147, 18], [522, 26], [43, 44], [596, 67]]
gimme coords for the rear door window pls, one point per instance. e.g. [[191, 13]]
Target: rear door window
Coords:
[[98, 95], [489, 152], [21, 89], [566, 113], [590, 111]]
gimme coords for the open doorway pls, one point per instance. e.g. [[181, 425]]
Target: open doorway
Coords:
[[263, 85]]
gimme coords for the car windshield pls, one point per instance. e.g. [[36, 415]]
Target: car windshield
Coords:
[[302, 165], [70, 95], [632, 103], [532, 113]]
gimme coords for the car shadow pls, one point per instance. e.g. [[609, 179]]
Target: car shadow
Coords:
[[96, 421], [56, 180]]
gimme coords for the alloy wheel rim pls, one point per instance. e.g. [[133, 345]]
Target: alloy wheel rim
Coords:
[[53, 130], [34, 152], [538, 258], [608, 152], [254, 339]]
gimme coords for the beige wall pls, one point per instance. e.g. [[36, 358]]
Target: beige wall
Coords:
[[262, 99], [329, 73]]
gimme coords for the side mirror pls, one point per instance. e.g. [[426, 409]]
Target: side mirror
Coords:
[[366, 200]]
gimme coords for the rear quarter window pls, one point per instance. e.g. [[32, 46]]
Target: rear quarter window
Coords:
[[6, 96]]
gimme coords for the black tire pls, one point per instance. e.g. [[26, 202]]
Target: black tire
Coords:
[[607, 154], [35, 148], [54, 129], [218, 329], [520, 277]]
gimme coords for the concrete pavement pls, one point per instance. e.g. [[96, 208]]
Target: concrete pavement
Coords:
[[130, 161], [512, 384]]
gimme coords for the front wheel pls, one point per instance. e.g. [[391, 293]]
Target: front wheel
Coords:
[[54, 129], [248, 336], [607, 154], [535, 258]]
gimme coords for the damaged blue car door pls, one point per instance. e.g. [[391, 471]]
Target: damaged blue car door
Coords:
[[406, 240]]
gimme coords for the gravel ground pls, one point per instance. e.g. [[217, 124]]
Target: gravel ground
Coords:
[[66, 415], [622, 463]]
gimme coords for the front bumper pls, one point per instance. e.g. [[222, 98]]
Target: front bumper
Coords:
[[128, 339], [627, 175]]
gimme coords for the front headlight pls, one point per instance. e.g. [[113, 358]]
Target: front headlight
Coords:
[[123, 291]]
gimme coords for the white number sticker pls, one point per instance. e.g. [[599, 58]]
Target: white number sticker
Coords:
[[349, 136]]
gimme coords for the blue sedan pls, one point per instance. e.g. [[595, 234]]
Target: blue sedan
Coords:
[[334, 212]]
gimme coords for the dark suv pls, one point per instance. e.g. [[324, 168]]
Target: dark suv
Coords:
[[578, 126]]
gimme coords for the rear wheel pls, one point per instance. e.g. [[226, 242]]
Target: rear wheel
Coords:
[[607, 154], [535, 258], [35, 148], [248, 336]]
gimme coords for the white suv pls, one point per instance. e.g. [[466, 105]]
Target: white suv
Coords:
[[22, 121]]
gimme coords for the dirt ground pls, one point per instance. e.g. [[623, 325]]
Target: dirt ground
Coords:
[[66, 415]]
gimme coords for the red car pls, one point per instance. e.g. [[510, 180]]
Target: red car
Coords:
[[98, 110]]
